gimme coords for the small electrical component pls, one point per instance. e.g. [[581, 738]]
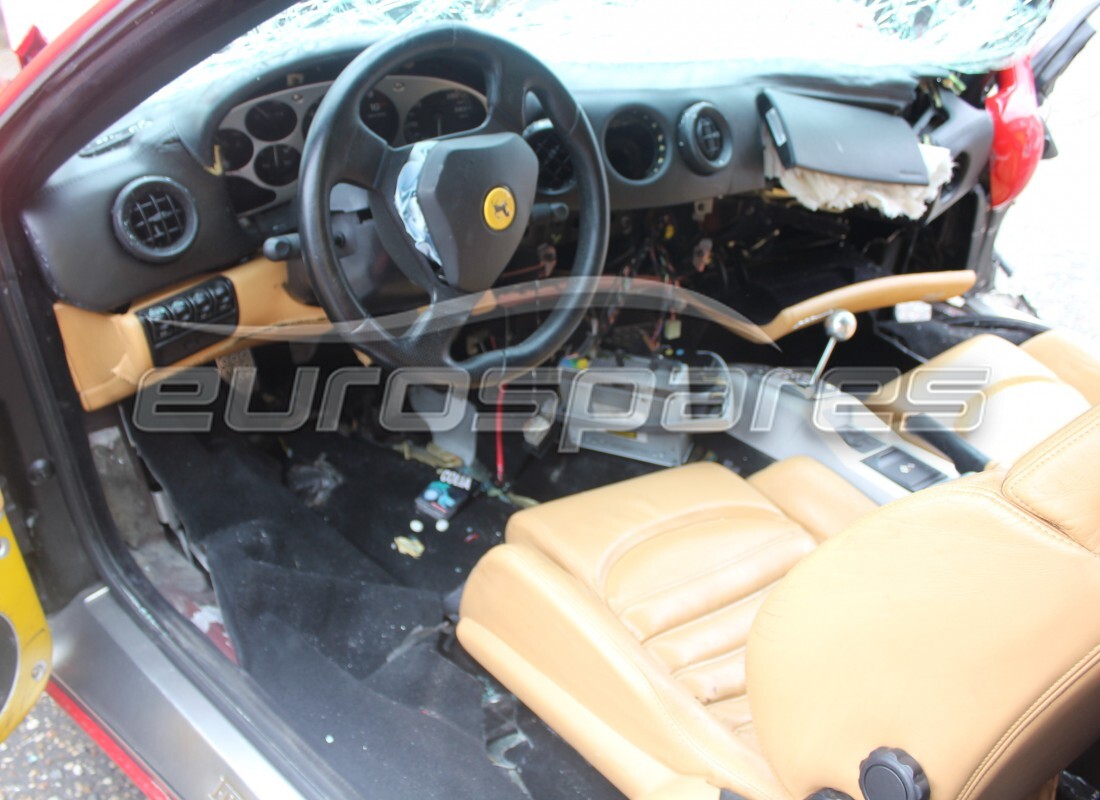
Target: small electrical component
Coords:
[[446, 495]]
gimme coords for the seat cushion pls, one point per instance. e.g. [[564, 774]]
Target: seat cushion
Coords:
[[991, 392], [683, 559], [637, 600]]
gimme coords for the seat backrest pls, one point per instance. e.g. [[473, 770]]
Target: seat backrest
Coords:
[[961, 625]]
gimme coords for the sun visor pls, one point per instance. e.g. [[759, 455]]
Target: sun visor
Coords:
[[840, 139]]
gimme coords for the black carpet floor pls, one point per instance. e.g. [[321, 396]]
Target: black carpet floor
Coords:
[[347, 636], [376, 501]]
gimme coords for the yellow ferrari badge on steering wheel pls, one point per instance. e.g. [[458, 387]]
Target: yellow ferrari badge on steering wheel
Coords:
[[499, 208]]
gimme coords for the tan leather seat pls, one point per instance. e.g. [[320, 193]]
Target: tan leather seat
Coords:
[[1072, 358], [657, 625], [620, 615], [1003, 399]]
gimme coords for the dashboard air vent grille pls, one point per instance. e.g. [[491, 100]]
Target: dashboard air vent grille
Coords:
[[709, 136], [155, 219], [705, 138], [555, 166]]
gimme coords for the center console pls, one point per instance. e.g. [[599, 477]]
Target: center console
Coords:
[[784, 414], [661, 411]]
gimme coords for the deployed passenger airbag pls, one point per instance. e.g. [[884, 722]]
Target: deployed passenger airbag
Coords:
[[834, 156], [840, 139]]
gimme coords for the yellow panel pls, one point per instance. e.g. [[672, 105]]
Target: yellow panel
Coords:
[[20, 609]]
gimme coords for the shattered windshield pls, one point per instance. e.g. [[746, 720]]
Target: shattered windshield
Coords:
[[963, 35], [857, 37]]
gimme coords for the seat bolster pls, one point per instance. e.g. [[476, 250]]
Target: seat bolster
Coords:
[[1003, 359], [1057, 481], [994, 358], [812, 495], [994, 394], [587, 533], [560, 649], [1072, 358], [1008, 419], [951, 624]]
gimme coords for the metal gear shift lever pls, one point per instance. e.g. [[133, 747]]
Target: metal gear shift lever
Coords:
[[840, 326]]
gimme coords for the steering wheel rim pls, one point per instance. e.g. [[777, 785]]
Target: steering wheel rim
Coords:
[[341, 149]]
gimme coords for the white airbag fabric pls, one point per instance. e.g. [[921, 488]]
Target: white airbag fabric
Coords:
[[408, 204], [819, 190]]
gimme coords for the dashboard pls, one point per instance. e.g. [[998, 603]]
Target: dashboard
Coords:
[[260, 142], [195, 182], [662, 151]]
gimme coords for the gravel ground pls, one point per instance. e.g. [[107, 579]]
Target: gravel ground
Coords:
[[1046, 239], [50, 757]]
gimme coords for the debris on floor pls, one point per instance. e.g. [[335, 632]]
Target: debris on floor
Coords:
[[409, 546], [315, 481]]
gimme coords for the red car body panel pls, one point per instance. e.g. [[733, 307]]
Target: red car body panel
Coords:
[[1018, 132], [73, 34]]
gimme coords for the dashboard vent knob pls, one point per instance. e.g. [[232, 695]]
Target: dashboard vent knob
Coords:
[[704, 138], [555, 166], [708, 136], [155, 219]]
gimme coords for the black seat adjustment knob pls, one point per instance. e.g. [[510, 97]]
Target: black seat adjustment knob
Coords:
[[889, 773]]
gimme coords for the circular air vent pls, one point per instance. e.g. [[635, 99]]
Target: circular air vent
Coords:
[[635, 145], [704, 138], [555, 166], [155, 218]]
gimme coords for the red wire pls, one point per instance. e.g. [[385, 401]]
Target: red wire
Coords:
[[500, 435]]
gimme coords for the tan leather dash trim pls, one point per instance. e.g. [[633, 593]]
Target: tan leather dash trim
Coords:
[[108, 353]]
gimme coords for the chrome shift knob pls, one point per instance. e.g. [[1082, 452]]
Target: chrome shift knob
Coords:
[[840, 325]]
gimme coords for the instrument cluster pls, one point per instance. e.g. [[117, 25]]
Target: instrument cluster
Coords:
[[259, 142]]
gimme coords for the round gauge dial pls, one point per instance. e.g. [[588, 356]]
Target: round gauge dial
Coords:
[[277, 165], [271, 121], [440, 113], [380, 115], [636, 145], [235, 147]]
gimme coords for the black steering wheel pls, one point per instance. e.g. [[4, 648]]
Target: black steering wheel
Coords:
[[475, 191]]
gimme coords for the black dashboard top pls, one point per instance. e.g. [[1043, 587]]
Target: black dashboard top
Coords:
[[227, 155]]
